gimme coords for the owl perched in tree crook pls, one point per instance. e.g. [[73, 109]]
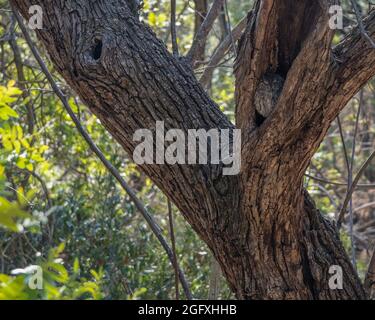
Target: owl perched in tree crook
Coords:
[[267, 94]]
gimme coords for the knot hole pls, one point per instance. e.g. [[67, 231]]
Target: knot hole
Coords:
[[96, 51]]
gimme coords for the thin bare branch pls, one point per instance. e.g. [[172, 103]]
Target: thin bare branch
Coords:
[[173, 241], [365, 206], [360, 23], [44, 187], [352, 188], [173, 28], [342, 184], [221, 50], [370, 278], [349, 171], [204, 30]]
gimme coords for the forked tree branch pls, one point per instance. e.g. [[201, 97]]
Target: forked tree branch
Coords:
[[311, 97], [269, 45], [290, 127]]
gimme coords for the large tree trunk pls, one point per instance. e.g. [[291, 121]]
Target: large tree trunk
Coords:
[[262, 227]]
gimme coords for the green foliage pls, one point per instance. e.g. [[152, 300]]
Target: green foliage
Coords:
[[58, 283], [8, 95], [10, 212]]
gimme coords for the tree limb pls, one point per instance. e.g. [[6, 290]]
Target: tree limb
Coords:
[[115, 173], [311, 97], [129, 80], [269, 45], [289, 126]]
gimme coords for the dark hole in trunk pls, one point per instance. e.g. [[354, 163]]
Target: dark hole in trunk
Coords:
[[97, 49], [259, 119]]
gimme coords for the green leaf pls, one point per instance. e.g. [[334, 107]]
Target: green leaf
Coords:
[[21, 163], [76, 268], [7, 112]]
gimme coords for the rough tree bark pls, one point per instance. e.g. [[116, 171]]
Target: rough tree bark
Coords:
[[262, 227]]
